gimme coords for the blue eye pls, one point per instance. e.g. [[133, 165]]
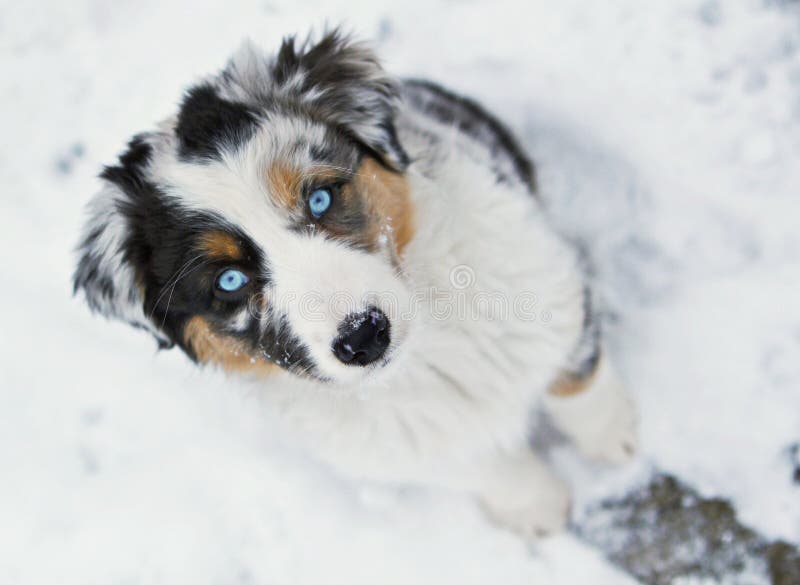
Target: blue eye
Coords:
[[231, 280], [319, 201]]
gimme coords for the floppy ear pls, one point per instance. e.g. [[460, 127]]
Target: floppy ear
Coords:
[[105, 275], [338, 80]]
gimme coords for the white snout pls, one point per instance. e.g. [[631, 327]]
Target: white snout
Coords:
[[319, 283]]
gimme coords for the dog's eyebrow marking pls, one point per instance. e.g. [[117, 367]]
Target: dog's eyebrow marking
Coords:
[[284, 182], [220, 245]]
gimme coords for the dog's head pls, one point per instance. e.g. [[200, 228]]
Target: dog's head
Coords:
[[262, 226]]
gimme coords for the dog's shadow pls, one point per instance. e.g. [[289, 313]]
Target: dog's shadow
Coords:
[[597, 198]]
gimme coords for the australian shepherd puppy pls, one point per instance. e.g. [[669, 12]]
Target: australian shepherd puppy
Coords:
[[371, 252]]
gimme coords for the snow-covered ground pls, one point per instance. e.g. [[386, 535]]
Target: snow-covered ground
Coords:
[[668, 138]]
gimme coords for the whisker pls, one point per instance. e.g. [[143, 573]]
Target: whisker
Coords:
[[349, 172], [169, 300], [175, 275]]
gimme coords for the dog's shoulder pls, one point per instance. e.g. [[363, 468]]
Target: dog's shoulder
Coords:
[[508, 158]]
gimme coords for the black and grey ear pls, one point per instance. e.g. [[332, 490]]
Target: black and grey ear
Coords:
[[338, 80], [105, 275]]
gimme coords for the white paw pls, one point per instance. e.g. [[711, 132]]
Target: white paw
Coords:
[[601, 420], [532, 511], [616, 441]]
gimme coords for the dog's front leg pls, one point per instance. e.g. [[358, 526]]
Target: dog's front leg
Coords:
[[519, 492], [596, 411], [515, 488]]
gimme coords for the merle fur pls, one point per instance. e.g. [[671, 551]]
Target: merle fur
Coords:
[[472, 119], [337, 82], [333, 81]]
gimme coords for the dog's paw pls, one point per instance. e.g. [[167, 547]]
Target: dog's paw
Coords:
[[616, 441], [601, 420], [538, 511]]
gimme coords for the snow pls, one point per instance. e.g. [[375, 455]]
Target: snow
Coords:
[[668, 138]]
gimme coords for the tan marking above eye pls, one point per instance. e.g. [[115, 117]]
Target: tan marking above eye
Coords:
[[220, 245], [284, 185], [223, 350]]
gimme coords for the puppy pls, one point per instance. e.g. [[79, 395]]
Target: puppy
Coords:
[[370, 252]]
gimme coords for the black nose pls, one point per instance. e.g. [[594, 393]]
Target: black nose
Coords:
[[364, 338]]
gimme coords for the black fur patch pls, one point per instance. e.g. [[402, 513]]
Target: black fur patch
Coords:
[[208, 123], [129, 174]]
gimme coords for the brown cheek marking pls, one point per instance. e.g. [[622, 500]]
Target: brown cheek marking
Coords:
[[221, 350], [388, 199], [284, 183], [219, 245]]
